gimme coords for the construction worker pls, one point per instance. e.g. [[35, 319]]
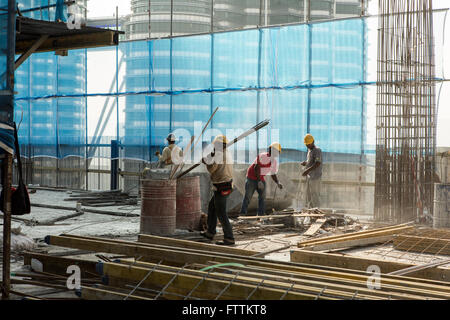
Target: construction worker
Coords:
[[312, 172], [220, 167], [265, 164], [171, 154]]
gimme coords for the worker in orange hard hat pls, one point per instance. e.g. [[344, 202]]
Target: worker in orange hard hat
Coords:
[[220, 167], [313, 172], [265, 164]]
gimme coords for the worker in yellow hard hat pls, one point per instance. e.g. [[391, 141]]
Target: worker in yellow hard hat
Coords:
[[265, 163], [312, 172], [220, 167]]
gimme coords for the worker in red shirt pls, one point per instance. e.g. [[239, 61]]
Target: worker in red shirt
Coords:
[[265, 164]]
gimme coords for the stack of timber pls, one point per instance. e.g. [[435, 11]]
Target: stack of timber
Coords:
[[362, 238], [432, 241], [163, 268], [362, 263], [103, 198]]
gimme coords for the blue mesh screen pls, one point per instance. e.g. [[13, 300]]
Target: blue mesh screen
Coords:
[[305, 78]]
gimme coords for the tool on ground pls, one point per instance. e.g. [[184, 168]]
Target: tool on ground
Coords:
[[259, 126]]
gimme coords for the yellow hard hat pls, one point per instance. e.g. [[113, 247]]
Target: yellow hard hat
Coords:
[[220, 139], [276, 146], [309, 139]]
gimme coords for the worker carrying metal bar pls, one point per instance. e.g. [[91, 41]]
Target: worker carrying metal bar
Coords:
[[220, 167], [313, 172], [265, 163], [171, 154]]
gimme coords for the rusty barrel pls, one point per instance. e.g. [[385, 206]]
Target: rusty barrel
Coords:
[[189, 207], [158, 207]]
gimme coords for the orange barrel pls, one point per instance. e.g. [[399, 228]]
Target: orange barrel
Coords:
[[158, 207], [189, 206]]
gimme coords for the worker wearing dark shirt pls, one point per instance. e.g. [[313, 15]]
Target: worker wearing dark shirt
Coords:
[[313, 172]]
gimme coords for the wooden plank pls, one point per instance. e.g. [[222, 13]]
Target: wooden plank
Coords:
[[182, 256], [412, 269], [206, 287], [170, 243], [358, 263], [149, 239], [276, 216], [362, 233], [159, 252], [59, 265], [89, 293], [71, 42], [354, 236], [345, 287], [163, 274], [349, 243], [315, 227]]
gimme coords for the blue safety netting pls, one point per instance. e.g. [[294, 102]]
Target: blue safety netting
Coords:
[[305, 78], [3, 42], [48, 10], [6, 91]]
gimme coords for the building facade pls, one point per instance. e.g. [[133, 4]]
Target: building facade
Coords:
[[192, 17], [181, 17]]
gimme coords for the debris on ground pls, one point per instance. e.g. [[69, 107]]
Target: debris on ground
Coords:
[[103, 198]]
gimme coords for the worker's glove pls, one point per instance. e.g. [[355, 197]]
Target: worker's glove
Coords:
[[157, 153], [280, 186], [260, 185]]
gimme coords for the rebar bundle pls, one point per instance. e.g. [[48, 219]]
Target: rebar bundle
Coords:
[[406, 111]]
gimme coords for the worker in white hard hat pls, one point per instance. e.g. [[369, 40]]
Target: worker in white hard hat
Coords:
[[220, 167], [266, 163], [171, 154], [312, 172]]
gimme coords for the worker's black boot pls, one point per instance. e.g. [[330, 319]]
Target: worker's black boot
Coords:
[[226, 242], [207, 235]]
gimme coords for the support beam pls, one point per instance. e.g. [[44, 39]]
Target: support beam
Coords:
[[348, 243], [30, 51], [206, 288], [189, 256], [89, 293], [363, 235], [359, 263], [71, 42], [144, 238]]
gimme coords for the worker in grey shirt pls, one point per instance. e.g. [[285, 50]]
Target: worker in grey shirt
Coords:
[[313, 172]]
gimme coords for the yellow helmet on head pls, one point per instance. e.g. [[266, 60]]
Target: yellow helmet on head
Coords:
[[276, 146], [309, 139], [220, 139]]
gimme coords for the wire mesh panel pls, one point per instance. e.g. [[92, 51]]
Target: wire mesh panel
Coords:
[[406, 119]]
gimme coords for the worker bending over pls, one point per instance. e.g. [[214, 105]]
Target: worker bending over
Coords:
[[220, 167], [265, 164], [313, 172], [171, 154]]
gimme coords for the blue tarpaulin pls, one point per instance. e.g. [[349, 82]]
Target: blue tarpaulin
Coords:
[[305, 78]]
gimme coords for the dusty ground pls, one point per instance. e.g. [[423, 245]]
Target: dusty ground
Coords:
[[253, 236]]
